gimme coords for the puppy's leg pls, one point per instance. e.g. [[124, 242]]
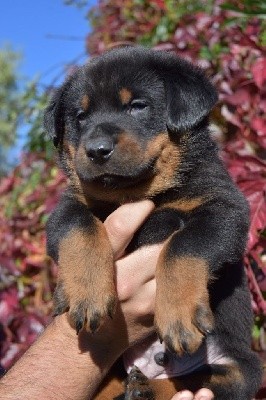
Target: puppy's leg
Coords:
[[79, 243], [214, 235], [182, 314], [112, 387], [227, 382]]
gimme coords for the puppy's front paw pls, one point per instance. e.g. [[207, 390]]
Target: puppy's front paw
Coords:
[[91, 312], [86, 278], [184, 326], [86, 308], [182, 312]]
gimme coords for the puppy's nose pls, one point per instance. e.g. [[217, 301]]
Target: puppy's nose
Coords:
[[100, 149]]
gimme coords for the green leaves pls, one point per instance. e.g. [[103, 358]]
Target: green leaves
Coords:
[[22, 103], [247, 7], [10, 107]]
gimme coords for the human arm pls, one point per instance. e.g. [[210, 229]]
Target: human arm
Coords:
[[62, 365]]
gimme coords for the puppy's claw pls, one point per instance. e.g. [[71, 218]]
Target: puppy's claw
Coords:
[[95, 322], [79, 326], [111, 307], [160, 338], [203, 319]]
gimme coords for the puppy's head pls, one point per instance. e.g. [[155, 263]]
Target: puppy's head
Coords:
[[123, 121]]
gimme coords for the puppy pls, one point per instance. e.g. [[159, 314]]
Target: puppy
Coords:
[[132, 124]]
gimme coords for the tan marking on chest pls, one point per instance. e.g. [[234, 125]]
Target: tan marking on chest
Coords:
[[185, 205]]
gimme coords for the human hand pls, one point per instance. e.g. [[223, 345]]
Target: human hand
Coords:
[[135, 280], [135, 272], [202, 394]]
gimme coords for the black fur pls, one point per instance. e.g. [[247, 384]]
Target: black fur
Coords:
[[176, 99]]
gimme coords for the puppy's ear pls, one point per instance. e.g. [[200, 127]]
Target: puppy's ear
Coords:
[[189, 94], [53, 120]]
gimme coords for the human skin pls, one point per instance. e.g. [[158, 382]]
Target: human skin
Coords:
[[62, 365]]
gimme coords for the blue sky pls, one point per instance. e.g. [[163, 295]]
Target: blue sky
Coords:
[[34, 28], [28, 25]]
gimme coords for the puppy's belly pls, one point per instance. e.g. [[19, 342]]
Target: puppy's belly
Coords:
[[156, 362]]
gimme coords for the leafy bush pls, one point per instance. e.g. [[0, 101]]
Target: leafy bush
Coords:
[[27, 275], [227, 41]]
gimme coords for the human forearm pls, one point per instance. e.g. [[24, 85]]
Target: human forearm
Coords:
[[57, 371]]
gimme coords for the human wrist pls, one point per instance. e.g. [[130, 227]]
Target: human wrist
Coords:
[[104, 346]]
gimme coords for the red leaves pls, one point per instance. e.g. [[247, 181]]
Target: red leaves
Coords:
[[259, 73], [9, 304], [230, 52], [27, 276], [249, 172], [18, 329], [6, 184]]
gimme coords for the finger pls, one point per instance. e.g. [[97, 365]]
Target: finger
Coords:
[[124, 222], [183, 395], [136, 269], [204, 394]]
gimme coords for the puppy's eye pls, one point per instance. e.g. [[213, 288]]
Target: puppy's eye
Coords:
[[81, 115], [137, 106]]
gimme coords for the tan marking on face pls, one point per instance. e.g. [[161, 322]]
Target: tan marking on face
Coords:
[[167, 157], [125, 95], [85, 102], [128, 143], [168, 161]]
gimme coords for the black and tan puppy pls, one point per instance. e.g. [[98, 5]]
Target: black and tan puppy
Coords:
[[133, 124]]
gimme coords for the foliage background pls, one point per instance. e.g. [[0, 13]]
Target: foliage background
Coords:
[[228, 40]]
